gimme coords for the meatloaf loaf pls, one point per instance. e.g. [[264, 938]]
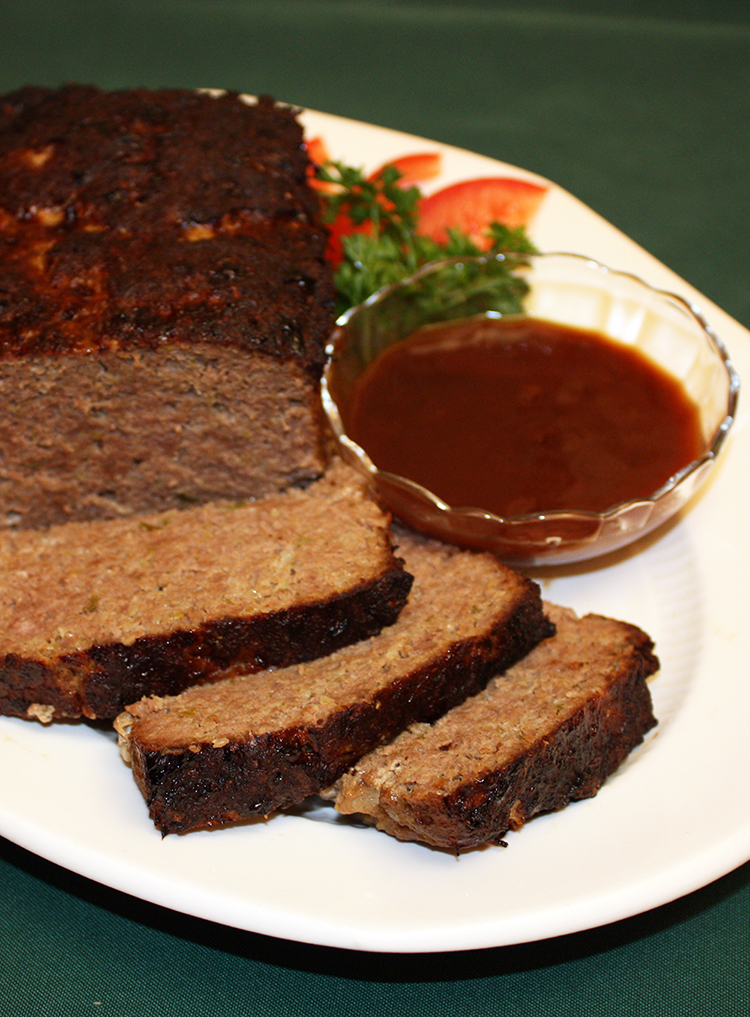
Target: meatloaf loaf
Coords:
[[546, 732], [164, 302], [252, 744], [94, 615]]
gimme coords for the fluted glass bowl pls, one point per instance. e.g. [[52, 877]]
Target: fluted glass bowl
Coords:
[[573, 290]]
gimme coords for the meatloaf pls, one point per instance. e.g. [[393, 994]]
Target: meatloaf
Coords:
[[164, 302], [94, 615], [252, 744], [544, 733]]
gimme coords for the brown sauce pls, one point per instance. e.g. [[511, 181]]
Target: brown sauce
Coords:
[[518, 415]]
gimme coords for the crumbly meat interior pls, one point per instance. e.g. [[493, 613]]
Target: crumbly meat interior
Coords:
[[546, 731], [139, 231], [456, 596], [118, 433], [79, 585]]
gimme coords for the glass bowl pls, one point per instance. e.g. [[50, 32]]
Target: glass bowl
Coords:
[[573, 290]]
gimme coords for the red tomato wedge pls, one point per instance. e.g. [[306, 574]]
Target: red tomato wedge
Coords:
[[317, 151], [342, 226], [472, 205], [414, 168]]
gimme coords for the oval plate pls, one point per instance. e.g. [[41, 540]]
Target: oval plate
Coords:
[[674, 818]]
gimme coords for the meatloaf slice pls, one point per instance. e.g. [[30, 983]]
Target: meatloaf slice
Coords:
[[546, 732], [164, 302], [252, 744], [94, 615]]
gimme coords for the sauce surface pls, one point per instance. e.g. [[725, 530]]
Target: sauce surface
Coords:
[[519, 415]]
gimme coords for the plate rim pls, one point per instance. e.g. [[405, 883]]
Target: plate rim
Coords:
[[89, 861]]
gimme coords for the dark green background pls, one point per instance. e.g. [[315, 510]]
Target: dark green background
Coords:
[[70, 947], [640, 109]]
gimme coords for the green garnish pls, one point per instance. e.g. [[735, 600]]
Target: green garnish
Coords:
[[391, 248]]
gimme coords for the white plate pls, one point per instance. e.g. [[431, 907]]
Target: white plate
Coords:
[[675, 817]]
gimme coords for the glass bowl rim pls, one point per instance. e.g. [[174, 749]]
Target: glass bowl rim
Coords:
[[360, 457]]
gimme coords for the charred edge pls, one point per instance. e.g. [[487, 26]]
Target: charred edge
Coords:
[[569, 764], [98, 683], [215, 786], [26, 684]]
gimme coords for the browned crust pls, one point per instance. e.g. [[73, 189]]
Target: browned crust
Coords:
[[208, 786], [135, 224], [134, 218], [569, 763], [101, 681]]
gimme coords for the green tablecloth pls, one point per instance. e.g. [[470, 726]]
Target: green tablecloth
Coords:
[[642, 111]]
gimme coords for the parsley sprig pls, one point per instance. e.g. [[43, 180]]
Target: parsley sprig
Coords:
[[389, 249]]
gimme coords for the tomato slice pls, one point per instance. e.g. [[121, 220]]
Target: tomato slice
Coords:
[[414, 168], [342, 226], [317, 150], [472, 205]]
